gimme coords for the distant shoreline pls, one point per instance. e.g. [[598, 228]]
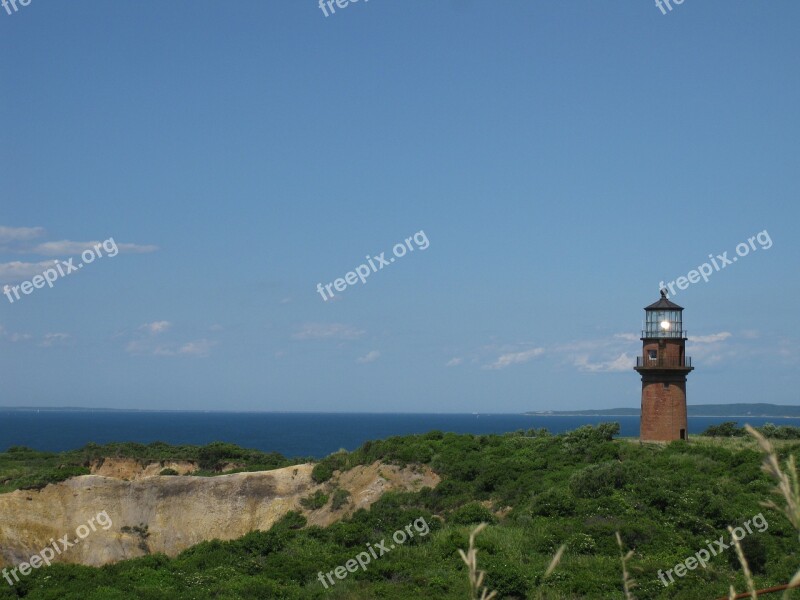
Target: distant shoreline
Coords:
[[234, 412], [739, 410], [722, 411], [554, 414]]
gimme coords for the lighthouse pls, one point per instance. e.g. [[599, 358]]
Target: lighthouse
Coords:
[[663, 366]]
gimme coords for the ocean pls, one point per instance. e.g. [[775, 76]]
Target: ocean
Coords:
[[292, 434]]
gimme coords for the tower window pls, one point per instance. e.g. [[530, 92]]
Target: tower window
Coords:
[[652, 354], [666, 385]]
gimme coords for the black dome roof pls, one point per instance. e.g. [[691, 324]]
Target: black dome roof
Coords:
[[663, 304]]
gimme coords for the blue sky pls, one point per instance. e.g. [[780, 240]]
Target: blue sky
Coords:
[[561, 158]]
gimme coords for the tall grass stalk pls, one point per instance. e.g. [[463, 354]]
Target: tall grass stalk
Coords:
[[627, 583], [477, 590], [748, 576], [787, 488]]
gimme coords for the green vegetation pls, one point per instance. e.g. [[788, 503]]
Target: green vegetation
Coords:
[[471, 513], [340, 498], [537, 490], [729, 429], [141, 531], [315, 501], [23, 468]]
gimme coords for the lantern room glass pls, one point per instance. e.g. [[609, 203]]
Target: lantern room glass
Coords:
[[663, 324]]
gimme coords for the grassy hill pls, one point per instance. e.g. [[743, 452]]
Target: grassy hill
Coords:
[[537, 491]]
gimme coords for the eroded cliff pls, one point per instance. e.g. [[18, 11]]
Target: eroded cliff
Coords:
[[168, 514]]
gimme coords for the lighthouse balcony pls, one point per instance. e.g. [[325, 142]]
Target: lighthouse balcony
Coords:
[[665, 362], [656, 333]]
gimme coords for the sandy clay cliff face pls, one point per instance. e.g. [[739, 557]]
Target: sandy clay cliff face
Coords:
[[177, 511]]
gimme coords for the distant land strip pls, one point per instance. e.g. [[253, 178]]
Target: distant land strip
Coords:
[[740, 411]]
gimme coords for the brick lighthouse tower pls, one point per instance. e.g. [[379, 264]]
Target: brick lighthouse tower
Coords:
[[663, 366]]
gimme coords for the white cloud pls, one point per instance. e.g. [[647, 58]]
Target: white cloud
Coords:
[[60, 248], [369, 357], [138, 347], [18, 271], [13, 239], [630, 337], [197, 348], [588, 345], [52, 339], [18, 337], [148, 339], [515, 358], [622, 363], [710, 339], [156, 327], [15, 271], [322, 331], [715, 349], [14, 337], [64, 247], [454, 362], [16, 234], [612, 353], [136, 248]]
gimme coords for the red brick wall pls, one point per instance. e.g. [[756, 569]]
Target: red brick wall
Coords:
[[671, 350], [663, 408]]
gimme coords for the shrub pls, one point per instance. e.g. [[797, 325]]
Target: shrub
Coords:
[[590, 443], [214, 455], [338, 461], [322, 472], [472, 512], [580, 543], [292, 520], [607, 431], [554, 503], [598, 480], [315, 501], [726, 429], [340, 498], [754, 551], [40, 480], [507, 579], [541, 432], [784, 432]]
